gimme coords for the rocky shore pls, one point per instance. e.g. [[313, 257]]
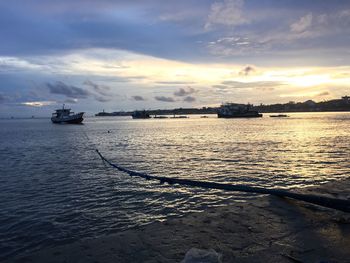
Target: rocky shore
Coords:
[[265, 229]]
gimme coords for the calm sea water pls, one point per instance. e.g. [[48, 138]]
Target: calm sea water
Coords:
[[54, 189]]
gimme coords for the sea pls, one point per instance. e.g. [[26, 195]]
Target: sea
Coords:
[[54, 188]]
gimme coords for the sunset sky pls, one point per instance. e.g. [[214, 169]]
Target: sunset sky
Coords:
[[150, 54]]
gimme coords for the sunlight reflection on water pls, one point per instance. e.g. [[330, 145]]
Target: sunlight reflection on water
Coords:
[[54, 188]]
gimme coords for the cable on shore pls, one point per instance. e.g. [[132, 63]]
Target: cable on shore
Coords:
[[338, 204]]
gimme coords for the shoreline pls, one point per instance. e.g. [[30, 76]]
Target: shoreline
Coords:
[[264, 229], [102, 116]]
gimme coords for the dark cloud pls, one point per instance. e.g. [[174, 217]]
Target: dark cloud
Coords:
[[40, 27], [69, 91], [184, 92], [164, 99], [189, 99], [100, 89], [171, 30], [247, 70], [102, 99], [100, 94], [138, 98]]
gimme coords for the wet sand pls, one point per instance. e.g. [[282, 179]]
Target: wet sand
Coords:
[[265, 229]]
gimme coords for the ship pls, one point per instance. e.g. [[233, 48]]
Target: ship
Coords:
[[140, 115], [160, 117], [179, 117], [279, 116], [233, 110], [66, 116]]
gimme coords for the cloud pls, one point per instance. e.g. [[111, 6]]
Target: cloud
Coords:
[[102, 99], [302, 24], [227, 13], [69, 91], [71, 101], [344, 14], [10, 64], [175, 82], [164, 99], [73, 92], [184, 91], [324, 93], [184, 15], [2, 98], [189, 99], [135, 26], [304, 37], [220, 87], [38, 103], [238, 45], [117, 25], [247, 70], [250, 85], [138, 98], [100, 89]]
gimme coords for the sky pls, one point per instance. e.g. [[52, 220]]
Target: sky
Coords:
[[161, 54]]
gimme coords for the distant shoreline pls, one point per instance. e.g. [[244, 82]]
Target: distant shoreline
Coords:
[[124, 114], [170, 114], [337, 105]]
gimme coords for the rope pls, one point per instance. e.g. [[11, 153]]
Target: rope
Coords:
[[338, 204], [92, 144]]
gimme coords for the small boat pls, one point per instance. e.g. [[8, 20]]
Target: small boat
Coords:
[[66, 116], [140, 115], [232, 110], [204, 117], [279, 116]]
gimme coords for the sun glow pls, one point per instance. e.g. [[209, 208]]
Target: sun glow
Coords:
[[310, 81], [38, 103], [213, 82]]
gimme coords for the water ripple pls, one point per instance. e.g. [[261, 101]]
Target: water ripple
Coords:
[[54, 189]]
